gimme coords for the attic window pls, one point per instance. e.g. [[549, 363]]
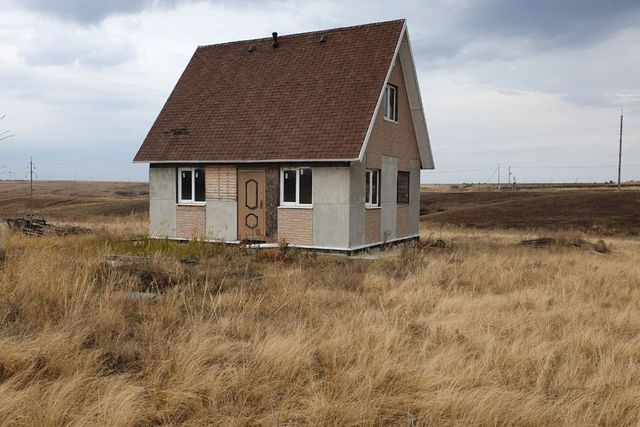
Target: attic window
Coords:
[[179, 131], [391, 103]]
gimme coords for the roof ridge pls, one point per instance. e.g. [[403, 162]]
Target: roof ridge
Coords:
[[306, 33]]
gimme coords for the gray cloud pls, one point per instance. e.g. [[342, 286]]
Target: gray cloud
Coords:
[[559, 22], [89, 11]]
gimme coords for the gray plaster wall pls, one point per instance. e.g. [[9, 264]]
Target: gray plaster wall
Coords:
[[222, 220], [162, 202], [331, 197], [414, 198], [388, 197], [356, 204]]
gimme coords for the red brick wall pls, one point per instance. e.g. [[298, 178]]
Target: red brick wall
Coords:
[[402, 221], [372, 226], [190, 221], [295, 225]]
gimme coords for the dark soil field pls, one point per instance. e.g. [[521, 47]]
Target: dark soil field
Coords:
[[601, 210]]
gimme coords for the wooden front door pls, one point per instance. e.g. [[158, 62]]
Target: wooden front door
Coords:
[[251, 223]]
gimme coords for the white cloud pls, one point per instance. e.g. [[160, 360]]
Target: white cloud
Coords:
[[81, 87]]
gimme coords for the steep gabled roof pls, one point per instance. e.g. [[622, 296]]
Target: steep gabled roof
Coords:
[[304, 100]]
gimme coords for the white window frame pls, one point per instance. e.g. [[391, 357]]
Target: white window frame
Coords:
[[372, 173], [191, 201], [387, 103], [297, 203]]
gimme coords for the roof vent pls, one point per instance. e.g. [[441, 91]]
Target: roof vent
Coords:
[[323, 38], [178, 131], [252, 48], [275, 43]]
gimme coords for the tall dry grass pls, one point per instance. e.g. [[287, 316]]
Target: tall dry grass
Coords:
[[479, 332]]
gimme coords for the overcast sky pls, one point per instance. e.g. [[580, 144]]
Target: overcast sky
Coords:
[[537, 85]]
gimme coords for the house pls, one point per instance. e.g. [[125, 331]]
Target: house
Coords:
[[316, 139]]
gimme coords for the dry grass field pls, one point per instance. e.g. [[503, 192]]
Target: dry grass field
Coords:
[[469, 327]]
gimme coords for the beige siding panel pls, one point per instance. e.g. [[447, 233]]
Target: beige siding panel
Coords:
[[190, 221], [295, 226], [221, 182], [372, 226]]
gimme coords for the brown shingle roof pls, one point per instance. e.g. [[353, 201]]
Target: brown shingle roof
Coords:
[[305, 100]]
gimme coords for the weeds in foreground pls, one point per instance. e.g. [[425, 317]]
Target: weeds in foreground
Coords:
[[477, 330]]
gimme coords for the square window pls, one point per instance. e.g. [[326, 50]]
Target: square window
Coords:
[[191, 185], [296, 187]]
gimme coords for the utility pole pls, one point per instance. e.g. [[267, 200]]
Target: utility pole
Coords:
[[498, 176], [620, 152], [31, 190], [32, 169], [509, 180]]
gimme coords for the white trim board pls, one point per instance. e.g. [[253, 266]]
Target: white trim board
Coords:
[[277, 245]]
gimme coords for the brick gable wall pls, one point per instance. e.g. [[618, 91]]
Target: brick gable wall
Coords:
[[392, 140]]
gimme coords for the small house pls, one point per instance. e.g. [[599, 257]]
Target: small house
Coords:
[[314, 139]]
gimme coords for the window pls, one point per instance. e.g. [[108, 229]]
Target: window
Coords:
[[372, 188], [296, 187], [403, 188], [391, 103], [191, 185]]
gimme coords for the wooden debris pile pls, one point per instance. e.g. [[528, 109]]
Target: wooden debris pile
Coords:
[[40, 227]]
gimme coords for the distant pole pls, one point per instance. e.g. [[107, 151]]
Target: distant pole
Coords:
[[620, 152], [498, 176], [509, 180]]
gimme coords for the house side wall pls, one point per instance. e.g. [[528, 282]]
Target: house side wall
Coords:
[[162, 202], [393, 147], [190, 222], [295, 225]]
